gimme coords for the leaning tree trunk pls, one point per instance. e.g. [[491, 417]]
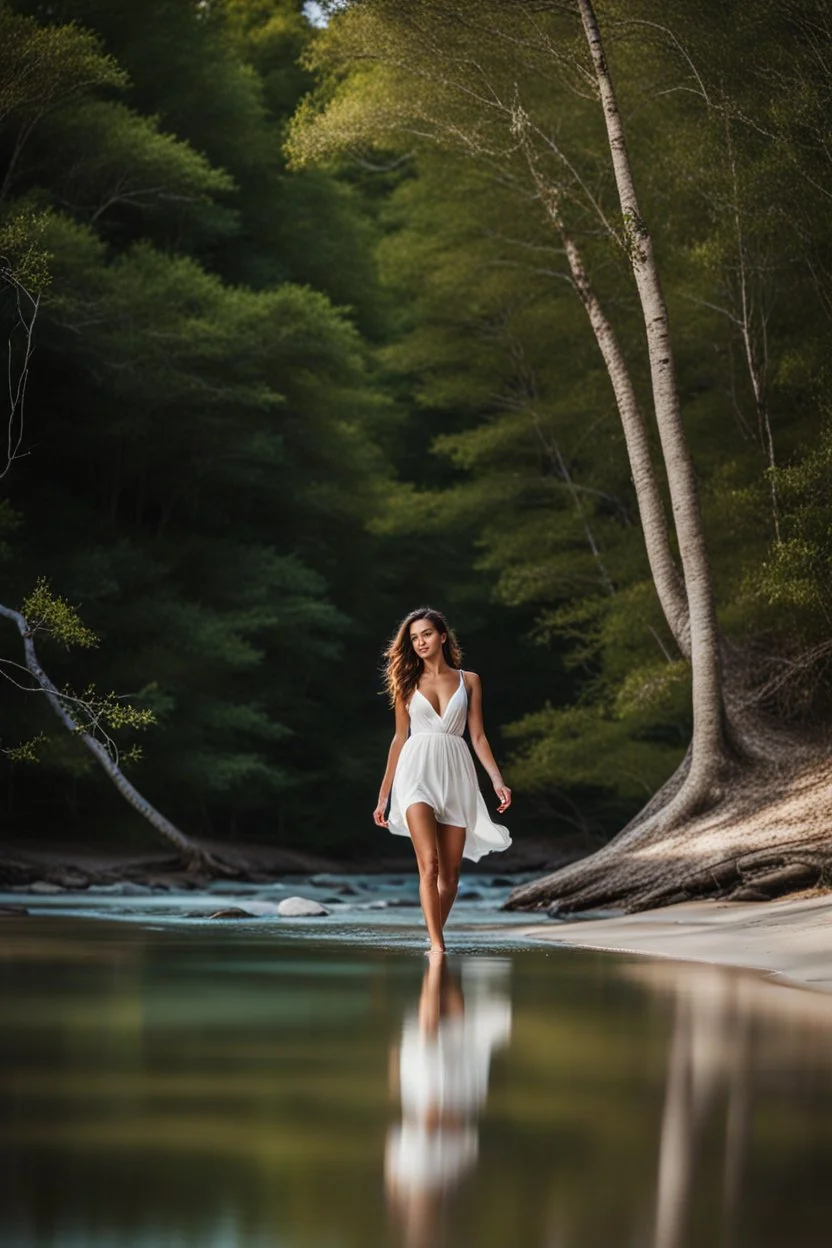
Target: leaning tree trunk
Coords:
[[194, 855], [669, 585], [666, 578], [709, 749]]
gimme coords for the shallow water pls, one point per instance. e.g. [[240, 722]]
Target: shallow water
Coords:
[[167, 1083], [382, 910]]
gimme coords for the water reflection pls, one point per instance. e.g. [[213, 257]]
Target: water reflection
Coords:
[[731, 1034], [231, 1089], [439, 1072]]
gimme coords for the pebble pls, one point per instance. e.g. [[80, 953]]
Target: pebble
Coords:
[[300, 907], [233, 912], [44, 887]]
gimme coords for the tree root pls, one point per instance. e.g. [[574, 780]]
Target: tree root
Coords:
[[768, 832], [203, 864]]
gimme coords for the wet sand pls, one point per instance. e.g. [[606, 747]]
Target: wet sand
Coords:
[[791, 938]]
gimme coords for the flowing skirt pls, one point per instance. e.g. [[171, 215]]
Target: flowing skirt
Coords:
[[437, 768]]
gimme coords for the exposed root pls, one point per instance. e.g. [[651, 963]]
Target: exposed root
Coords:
[[770, 832], [201, 863]]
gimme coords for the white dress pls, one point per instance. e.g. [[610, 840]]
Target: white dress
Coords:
[[435, 766], [445, 1073]]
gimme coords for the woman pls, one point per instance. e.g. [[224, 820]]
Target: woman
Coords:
[[430, 778]]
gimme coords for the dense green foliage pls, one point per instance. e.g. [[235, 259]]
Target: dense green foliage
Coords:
[[207, 435], [273, 407], [198, 414]]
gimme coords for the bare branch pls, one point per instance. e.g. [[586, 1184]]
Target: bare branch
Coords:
[[17, 372], [61, 704]]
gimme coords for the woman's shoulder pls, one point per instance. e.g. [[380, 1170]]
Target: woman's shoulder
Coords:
[[472, 680]]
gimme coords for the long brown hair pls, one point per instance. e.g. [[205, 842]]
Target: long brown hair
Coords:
[[403, 667]]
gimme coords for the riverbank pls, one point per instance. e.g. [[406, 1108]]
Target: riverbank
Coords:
[[790, 939], [79, 866]]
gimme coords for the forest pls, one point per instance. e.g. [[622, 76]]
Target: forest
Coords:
[[317, 313]]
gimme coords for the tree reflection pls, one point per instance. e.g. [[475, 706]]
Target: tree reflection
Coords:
[[707, 1050], [724, 1023], [439, 1071]]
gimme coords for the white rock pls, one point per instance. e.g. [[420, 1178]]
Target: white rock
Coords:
[[45, 886], [300, 907]]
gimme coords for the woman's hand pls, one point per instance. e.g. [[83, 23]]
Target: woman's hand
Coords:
[[504, 795], [378, 813]]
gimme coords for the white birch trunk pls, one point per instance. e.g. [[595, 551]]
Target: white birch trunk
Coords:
[[666, 578], [668, 583], [708, 712]]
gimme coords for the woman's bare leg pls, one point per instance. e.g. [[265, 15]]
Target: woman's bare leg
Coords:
[[441, 996], [450, 842], [421, 823]]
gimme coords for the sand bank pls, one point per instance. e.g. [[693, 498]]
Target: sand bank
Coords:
[[791, 939]]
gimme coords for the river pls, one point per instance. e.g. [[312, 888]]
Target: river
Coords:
[[168, 1081]]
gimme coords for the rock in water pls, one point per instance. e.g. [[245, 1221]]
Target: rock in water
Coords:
[[233, 912], [45, 887], [300, 908]]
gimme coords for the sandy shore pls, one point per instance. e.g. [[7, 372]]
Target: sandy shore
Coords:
[[791, 939]]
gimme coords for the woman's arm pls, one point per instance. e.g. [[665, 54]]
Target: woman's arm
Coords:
[[399, 738], [480, 741]]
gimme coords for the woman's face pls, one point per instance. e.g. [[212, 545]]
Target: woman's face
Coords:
[[426, 639]]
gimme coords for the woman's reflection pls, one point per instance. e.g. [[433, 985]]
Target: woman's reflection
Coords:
[[440, 1072]]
